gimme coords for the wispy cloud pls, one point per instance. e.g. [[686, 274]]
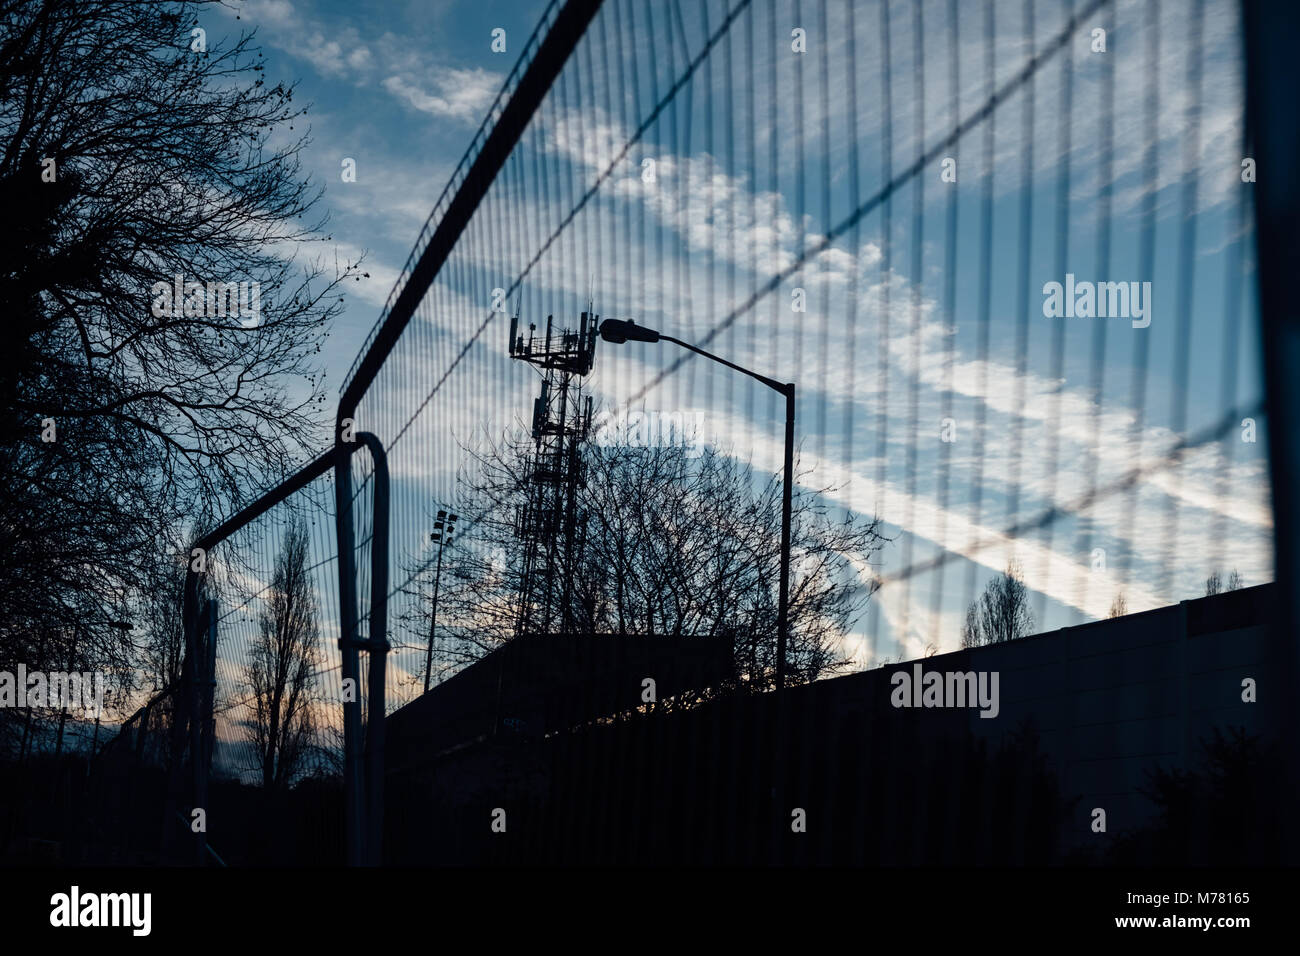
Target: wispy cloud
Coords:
[[398, 65], [448, 93]]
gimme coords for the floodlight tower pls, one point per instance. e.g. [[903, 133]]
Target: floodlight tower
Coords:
[[443, 528], [548, 525]]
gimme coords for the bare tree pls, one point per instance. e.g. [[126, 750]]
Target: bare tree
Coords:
[[165, 643], [129, 158], [281, 675], [1119, 606], [672, 543], [1214, 584], [1002, 612], [970, 630]]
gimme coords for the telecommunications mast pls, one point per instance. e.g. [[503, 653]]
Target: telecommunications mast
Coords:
[[549, 526]]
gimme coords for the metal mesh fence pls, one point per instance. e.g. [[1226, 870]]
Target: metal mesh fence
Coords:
[[1002, 250], [872, 201]]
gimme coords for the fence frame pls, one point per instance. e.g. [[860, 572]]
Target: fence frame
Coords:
[[363, 799]]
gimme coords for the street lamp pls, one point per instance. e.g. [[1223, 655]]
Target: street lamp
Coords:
[[441, 537], [619, 331]]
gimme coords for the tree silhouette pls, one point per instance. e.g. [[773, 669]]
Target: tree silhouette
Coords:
[[1001, 613], [1214, 584], [673, 544], [1119, 606], [281, 675], [127, 158], [1224, 809]]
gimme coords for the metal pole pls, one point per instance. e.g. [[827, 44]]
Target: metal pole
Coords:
[[183, 705], [787, 498], [209, 719], [206, 725], [193, 693], [196, 741], [787, 495], [782, 632], [350, 666], [1271, 32], [433, 616], [779, 742], [377, 647]]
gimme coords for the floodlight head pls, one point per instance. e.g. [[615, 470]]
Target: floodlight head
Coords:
[[619, 331]]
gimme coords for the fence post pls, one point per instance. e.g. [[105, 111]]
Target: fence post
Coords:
[[184, 709], [1271, 33], [377, 647], [349, 667], [364, 800], [209, 701], [204, 725]]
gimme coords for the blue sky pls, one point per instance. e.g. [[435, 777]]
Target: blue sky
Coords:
[[878, 359]]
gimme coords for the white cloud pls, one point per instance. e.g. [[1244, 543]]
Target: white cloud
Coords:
[[457, 94]]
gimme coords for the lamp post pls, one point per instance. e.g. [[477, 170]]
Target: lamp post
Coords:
[[618, 331], [441, 537]]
